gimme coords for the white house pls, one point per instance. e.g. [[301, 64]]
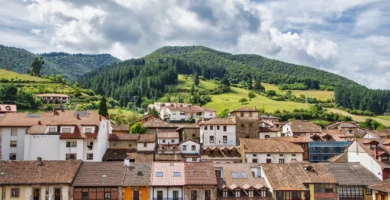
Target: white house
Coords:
[[269, 151], [168, 143], [266, 133], [167, 180], [218, 132], [300, 128], [190, 151], [186, 113], [146, 143], [158, 106], [54, 98]]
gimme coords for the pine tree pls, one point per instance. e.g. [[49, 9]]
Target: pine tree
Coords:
[[103, 110], [192, 89], [249, 83], [196, 79]]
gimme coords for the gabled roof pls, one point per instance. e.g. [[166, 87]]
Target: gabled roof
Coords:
[[189, 140], [341, 158], [138, 174], [300, 126], [123, 137], [157, 123], [168, 135], [268, 146], [218, 121], [245, 109], [147, 138], [100, 174], [52, 95], [120, 128], [116, 154], [383, 186], [351, 174], [363, 143], [167, 169], [28, 172]]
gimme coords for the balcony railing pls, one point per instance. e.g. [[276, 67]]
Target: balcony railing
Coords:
[[167, 198]]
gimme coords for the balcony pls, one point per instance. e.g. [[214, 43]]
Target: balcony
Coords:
[[167, 198]]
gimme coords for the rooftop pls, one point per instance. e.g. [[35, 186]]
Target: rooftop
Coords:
[[168, 135], [168, 174], [383, 186], [301, 126], [245, 109], [351, 174], [147, 138], [138, 174], [100, 174], [8, 108], [52, 95], [218, 121], [268, 146], [123, 137]]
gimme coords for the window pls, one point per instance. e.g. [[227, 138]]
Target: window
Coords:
[[224, 139], [250, 125], [145, 144], [172, 141], [84, 195], [159, 174], [15, 192], [234, 175], [293, 154], [368, 191], [266, 136], [281, 155], [14, 132], [372, 146], [242, 125], [281, 160], [193, 147], [114, 145], [194, 159], [70, 156], [12, 156], [268, 155], [217, 127], [163, 141], [250, 114], [238, 193], [89, 156], [254, 155], [263, 192], [52, 129], [193, 194], [88, 130], [175, 195], [176, 174], [224, 128], [71, 144], [130, 145], [107, 195], [211, 127], [254, 160], [207, 195], [66, 130], [242, 114], [205, 127], [12, 144], [250, 193], [243, 175], [385, 158], [225, 193], [184, 147], [211, 139]]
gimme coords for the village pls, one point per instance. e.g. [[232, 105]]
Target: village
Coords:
[[189, 153]]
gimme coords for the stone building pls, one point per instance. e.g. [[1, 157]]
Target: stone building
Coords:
[[247, 122]]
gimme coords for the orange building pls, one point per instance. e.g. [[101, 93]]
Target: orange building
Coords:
[[136, 183]]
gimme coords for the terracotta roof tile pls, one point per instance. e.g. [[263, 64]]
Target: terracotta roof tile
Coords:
[[168, 178], [383, 186], [300, 126], [167, 135], [143, 157], [28, 172], [268, 146], [267, 130], [157, 123], [120, 128], [168, 157], [218, 121], [138, 174], [100, 174], [342, 158], [200, 174], [123, 137], [351, 174], [113, 154], [147, 138]]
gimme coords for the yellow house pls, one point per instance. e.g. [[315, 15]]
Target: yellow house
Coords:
[[37, 180], [381, 190], [136, 183]]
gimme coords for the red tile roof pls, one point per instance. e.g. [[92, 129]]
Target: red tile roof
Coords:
[[147, 138], [200, 174], [123, 137], [168, 135], [100, 174], [168, 178], [300, 126], [268, 146], [383, 186]]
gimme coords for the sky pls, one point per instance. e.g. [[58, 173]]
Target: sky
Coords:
[[347, 37]]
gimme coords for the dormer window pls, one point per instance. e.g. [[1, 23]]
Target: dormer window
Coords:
[[66, 130], [52, 129], [372, 146], [349, 131], [159, 174], [88, 130], [385, 158]]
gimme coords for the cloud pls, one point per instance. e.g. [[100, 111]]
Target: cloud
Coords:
[[347, 37]]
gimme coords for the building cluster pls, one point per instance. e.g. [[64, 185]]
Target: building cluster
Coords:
[[80, 155]]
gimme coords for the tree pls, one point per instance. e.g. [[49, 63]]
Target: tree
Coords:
[[243, 100], [258, 86], [251, 95], [288, 94], [103, 110], [224, 113], [271, 93], [196, 79], [137, 128], [249, 83], [155, 113], [225, 81], [192, 89], [36, 66], [8, 93]]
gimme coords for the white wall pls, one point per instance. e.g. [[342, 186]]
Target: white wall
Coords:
[[7, 138], [64, 192], [286, 129], [357, 154], [44, 146], [189, 144], [78, 150], [218, 135], [167, 192], [101, 145], [271, 134], [149, 147], [262, 157], [209, 114], [168, 140]]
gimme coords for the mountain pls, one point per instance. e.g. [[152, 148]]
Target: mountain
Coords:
[[70, 66]]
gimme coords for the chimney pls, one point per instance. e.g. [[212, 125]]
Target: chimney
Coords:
[[78, 116], [39, 161], [39, 123]]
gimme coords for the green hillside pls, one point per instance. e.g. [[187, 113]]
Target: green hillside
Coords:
[[10, 76], [70, 66]]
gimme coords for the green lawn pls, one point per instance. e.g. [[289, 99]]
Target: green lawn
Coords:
[[230, 101], [185, 83], [385, 117], [9, 75], [385, 120]]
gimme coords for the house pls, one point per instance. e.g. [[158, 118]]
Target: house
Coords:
[[168, 148], [325, 146], [353, 180], [300, 181], [68, 134], [154, 125], [146, 147], [136, 183], [241, 181], [189, 132], [187, 113], [218, 132], [120, 129], [373, 154], [37, 180], [347, 130], [300, 128], [116, 154], [158, 106], [54, 98], [247, 122], [190, 150], [99, 180], [221, 154], [302, 141], [266, 132], [200, 181], [343, 125], [269, 151], [380, 134], [381, 190], [269, 121], [167, 180], [7, 108], [123, 141]]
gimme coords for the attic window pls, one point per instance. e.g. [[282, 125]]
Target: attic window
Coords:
[[385, 158], [176, 174], [8, 108], [159, 174], [140, 173], [234, 175], [88, 130], [372, 146], [243, 175]]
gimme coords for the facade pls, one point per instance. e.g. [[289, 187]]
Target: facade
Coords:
[[54, 98], [146, 143], [266, 133], [158, 106], [241, 181], [309, 181], [353, 180], [218, 132], [37, 180], [381, 190], [99, 180], [190, 151], [200, 181], [323, 147], [302, 141], [189, 132], [7, 108], [300, 128], [221, 154], [136, 183], [187, 113], [269, 151], [247, 122], [167, 180]]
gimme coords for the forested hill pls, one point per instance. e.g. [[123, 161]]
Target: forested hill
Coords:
[[70, 66], [241, 66]]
